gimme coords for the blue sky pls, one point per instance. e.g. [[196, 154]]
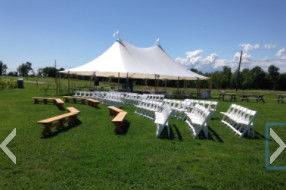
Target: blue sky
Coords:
[[202, 34]]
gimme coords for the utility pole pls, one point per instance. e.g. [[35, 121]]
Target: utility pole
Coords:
[[238, 70]]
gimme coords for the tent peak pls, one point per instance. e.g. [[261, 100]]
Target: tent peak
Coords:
[[157, 42]]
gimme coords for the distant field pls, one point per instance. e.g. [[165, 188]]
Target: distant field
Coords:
[[92, 156]]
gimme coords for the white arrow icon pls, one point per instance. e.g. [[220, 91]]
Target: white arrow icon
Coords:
[[279, 150], [4, 147]]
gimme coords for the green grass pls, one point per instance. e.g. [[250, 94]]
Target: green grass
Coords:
[[92, 156]]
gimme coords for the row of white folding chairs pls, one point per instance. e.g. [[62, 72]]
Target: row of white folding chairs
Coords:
[[99, 95], [180, 107], [148, 108], [198, 119], [131, 98], [190, 103], [239, 119], [83, 93], [113, 98], [153, 97], [177, 107]]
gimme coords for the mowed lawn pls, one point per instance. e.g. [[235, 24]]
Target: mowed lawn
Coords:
[[92, 156]]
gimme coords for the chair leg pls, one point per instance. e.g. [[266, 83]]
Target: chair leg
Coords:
[[168, 129], [205, 130]]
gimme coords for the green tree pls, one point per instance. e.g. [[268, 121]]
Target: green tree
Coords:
[[258, 78], [226, 77], [49, 71], [273, 72], [282, 82], [12, 73], [3, 68], [24, 69]]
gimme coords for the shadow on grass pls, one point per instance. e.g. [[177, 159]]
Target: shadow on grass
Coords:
[[122, 129], [257, 135], [214, 136], [174, 133], [177, 131], [60, 129], [215, 118]]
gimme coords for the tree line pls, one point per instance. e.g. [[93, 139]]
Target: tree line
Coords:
[[25, 69], [255, 78]]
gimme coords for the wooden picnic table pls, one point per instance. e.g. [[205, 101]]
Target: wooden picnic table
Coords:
[[280, 98], [223, 95], [248, 97]]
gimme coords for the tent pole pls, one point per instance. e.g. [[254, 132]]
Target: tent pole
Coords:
[[165, 85], [155, 85], [127, 83], [158, 82], [198, 88], [90, 81], [68, 82], [178, 85], [118, 77], [59, 82], [93, 86]]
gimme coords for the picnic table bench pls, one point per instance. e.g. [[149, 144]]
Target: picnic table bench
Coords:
[[83, 100], [57, 101], [248, 97], [223, 95], [75, 99], [280, 98], [60, 120], [92, 102], [45, 100], [119, 115]]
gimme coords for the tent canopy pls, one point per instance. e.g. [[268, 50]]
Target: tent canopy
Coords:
[[124, 60]]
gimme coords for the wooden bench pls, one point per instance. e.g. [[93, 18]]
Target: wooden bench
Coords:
[[71, 117], [114, 110], [57, 101], [45, 100], [75, 99], [92, 102], [72, 110], [119, 115]]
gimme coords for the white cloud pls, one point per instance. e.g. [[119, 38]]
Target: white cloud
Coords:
[[195, 59], [281, 53], [212, 62], [246, 57], [247, 47], [269, 46]]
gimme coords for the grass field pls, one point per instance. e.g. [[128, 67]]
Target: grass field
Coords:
[[92, 156]]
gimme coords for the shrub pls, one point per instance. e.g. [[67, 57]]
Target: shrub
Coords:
[[7, 84]]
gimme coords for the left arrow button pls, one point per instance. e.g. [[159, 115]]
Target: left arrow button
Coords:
[[4, 147]]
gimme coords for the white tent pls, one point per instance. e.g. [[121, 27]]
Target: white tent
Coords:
[[123, 60]]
